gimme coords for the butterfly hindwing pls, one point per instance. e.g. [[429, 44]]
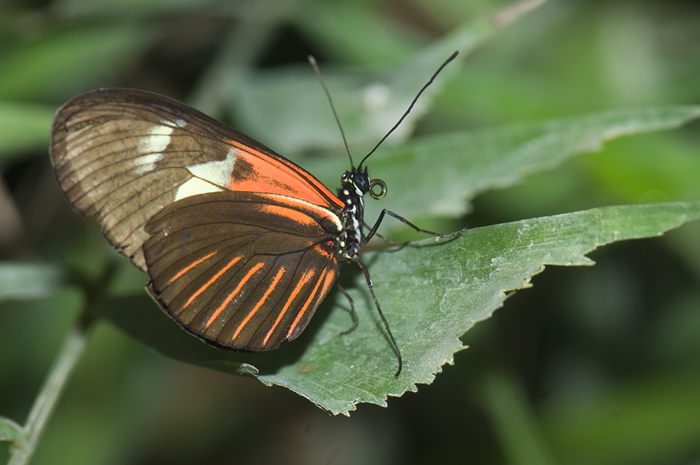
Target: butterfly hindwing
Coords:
[[243, 270]]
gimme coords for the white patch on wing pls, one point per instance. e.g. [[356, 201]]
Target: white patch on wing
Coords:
[[195, 186], [212, 176], [157, 139], [146, 163], [180, 122], [216, 172]]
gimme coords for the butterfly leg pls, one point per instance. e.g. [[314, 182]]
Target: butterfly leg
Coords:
[[365, 271], [352, 309], [374, 228], [386, 239]]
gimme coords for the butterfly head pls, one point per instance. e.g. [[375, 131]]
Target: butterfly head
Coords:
[[358, 180]]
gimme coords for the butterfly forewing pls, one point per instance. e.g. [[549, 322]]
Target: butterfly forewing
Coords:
[[238, 241], [244, 270], [123, 155]]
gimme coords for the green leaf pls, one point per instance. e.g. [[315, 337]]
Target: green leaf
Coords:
[[434, 175], [23, 127], [288, 111], [12, 432], [431, 295], [134, 8], [355, 33], [29, 280], [70, 58]]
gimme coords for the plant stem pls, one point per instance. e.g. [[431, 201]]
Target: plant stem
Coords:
[[45, 402]]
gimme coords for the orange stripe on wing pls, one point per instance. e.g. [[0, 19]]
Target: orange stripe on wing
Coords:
[[230, 297], [324, 251], [295, 215], [302, 282], [211, 281], [260, 303], [188, 268], [279, 176], [326, 278]]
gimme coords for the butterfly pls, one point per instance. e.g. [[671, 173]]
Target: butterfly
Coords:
[[241, 245]]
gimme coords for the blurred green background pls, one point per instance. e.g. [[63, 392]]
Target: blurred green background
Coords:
[[593, 365]]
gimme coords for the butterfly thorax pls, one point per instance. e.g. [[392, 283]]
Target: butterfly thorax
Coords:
[[353, 186]]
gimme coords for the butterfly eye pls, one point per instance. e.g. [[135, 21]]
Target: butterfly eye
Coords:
[[361, 181], [378, 195]]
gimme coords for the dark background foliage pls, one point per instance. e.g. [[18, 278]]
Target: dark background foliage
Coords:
[[591, 365]]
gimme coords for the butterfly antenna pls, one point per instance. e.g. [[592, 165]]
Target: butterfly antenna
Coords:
[[314, 65], [410, 107]]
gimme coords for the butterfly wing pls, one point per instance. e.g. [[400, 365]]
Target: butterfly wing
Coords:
[[123, 155], [238, 240], [242, 270]]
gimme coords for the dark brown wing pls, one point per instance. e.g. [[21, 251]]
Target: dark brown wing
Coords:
[[123, 155], [241, 270]]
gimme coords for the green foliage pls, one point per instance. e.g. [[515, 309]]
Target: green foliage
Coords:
[[29, 281], [22, 128], [433, 293], [595, 365]]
